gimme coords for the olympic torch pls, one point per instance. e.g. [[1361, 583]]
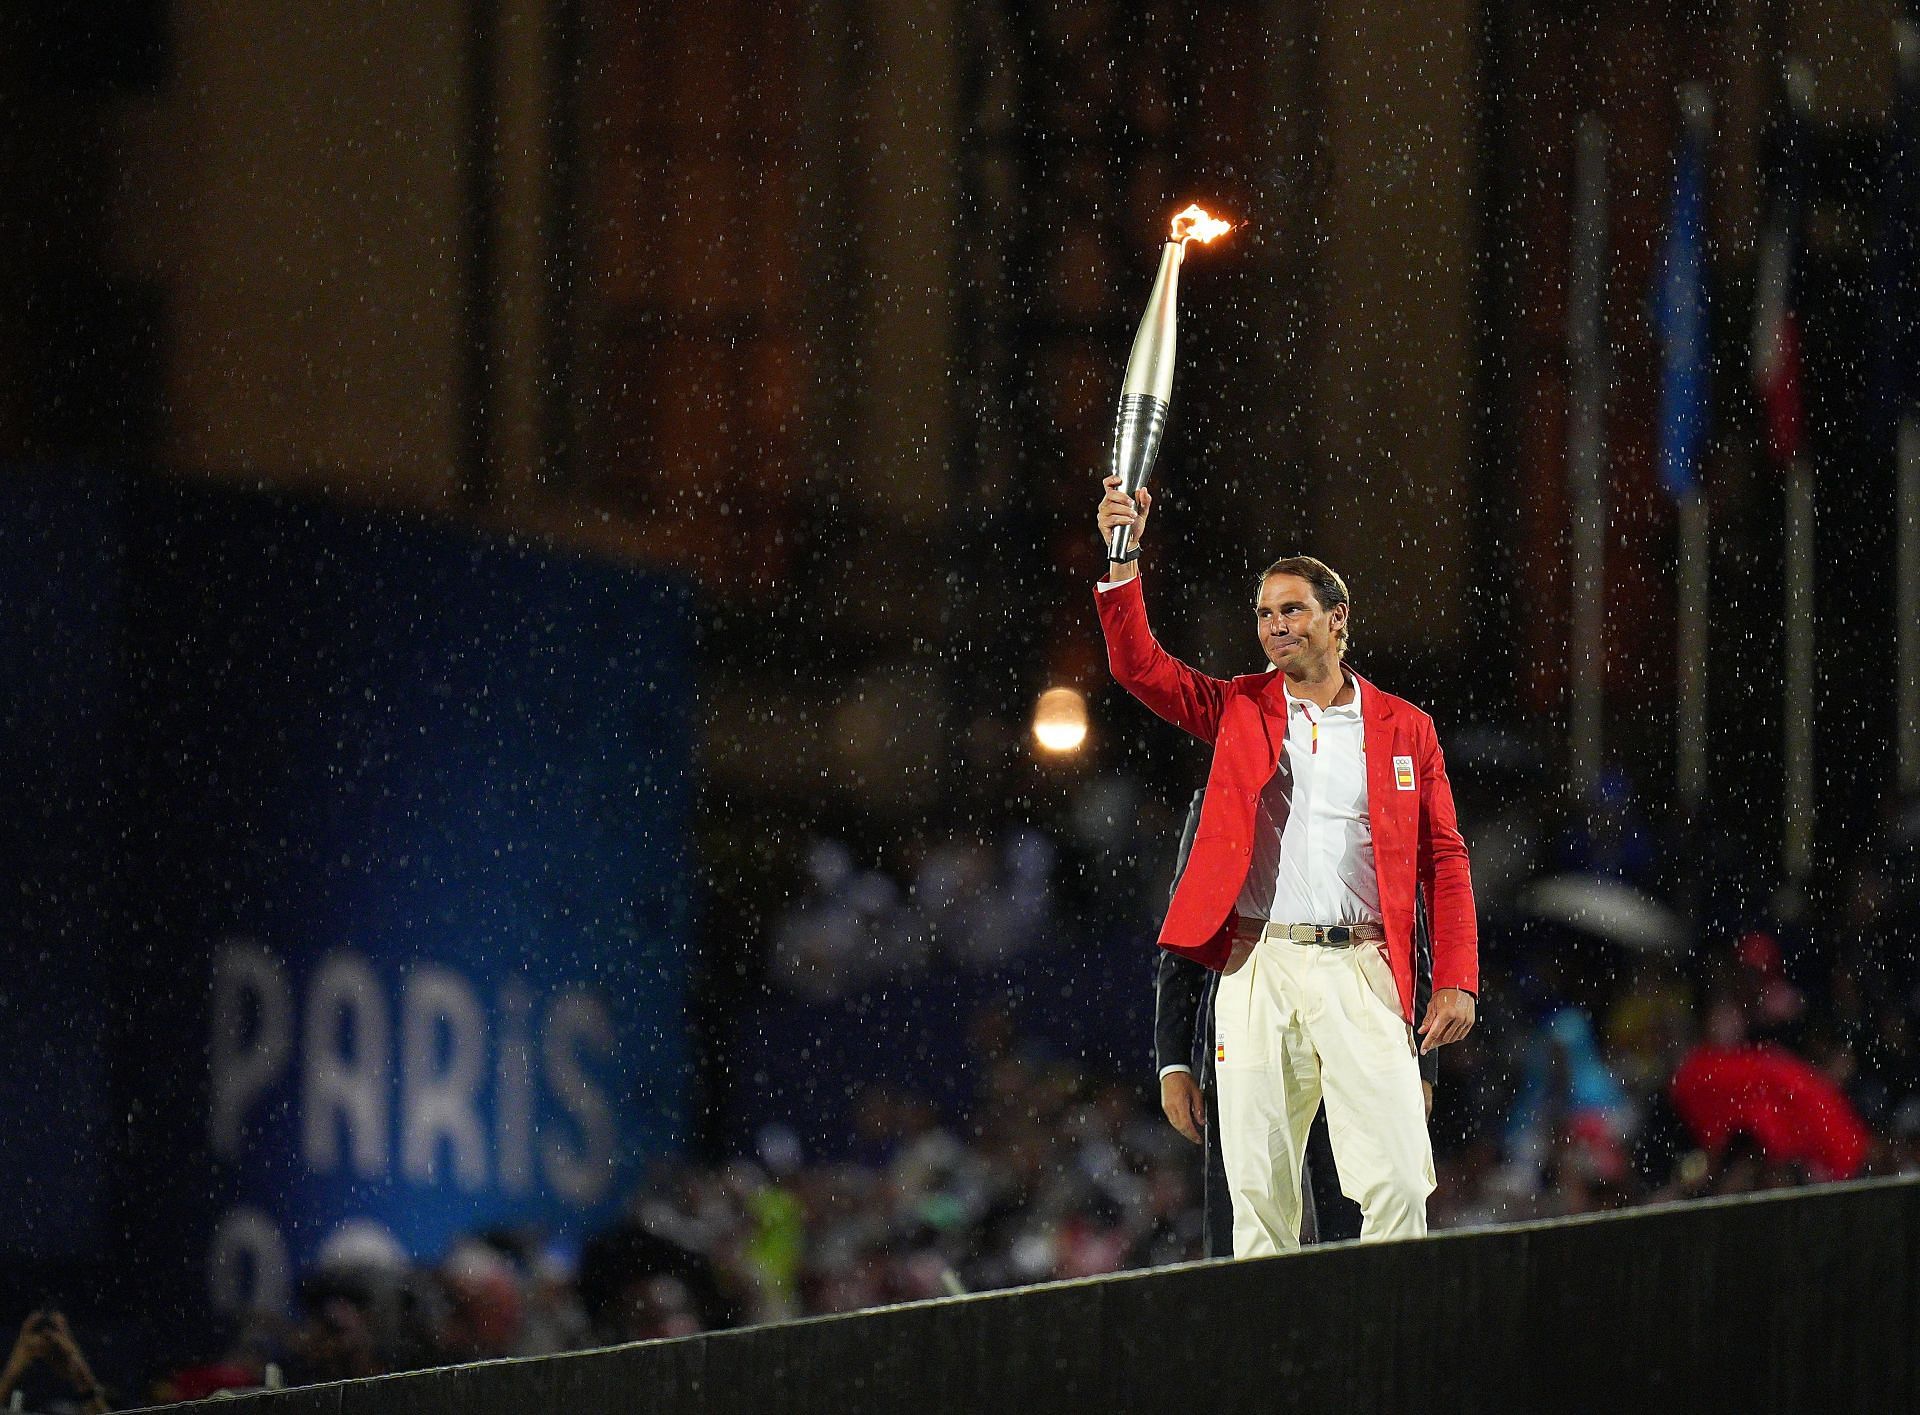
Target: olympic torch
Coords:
[[1148, 386]]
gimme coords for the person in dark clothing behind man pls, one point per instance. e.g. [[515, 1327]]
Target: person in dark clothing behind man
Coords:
[[1183, 1053]]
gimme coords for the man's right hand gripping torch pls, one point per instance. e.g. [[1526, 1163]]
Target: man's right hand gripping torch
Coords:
[[1148, 387]]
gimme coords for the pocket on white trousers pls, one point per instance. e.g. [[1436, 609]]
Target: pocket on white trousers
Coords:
[[1378, 973]]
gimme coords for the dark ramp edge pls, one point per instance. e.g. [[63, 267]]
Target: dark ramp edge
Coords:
[[1805, 1300]]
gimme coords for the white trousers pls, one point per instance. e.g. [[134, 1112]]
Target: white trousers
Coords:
[[1295, 1022]]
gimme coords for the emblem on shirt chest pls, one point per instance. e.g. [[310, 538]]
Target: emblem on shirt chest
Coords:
[[1403, 773]]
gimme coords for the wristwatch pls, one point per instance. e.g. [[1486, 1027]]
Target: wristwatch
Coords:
[[1127, 559]]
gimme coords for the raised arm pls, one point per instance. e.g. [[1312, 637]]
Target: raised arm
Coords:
[[1176, 691]]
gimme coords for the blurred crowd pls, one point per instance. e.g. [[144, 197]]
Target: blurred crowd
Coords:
[[1624, 1056], [1631, 1057], [1054, 1175], [975, 904]]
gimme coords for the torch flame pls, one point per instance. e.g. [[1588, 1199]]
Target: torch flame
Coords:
[[1194, 224]]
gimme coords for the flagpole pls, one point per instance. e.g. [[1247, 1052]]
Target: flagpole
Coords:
[[1779, 378], [1906, 584], [1696, 551], [1798, 823], [1696, 563], [1586, 463], [1797, 842], [1907, 604]]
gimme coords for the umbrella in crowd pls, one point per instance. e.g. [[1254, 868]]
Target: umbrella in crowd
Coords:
[[1607, 910], [1791, 1110]]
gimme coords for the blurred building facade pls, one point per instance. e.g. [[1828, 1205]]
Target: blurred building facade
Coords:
[[825, 302]]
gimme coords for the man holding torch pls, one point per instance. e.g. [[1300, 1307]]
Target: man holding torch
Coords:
[[1327, 812]]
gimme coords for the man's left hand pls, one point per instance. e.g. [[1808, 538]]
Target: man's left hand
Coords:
[[1449, 1018]]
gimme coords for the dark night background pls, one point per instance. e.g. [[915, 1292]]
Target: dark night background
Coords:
[[719, 394]]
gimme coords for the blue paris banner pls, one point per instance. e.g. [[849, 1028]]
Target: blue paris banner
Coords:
[[377, 903]]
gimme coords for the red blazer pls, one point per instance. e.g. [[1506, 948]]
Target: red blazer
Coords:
[[1416, 842]]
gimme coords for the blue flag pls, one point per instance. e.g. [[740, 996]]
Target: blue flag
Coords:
[[1680, 319]]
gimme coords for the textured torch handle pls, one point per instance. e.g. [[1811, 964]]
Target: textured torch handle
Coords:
[[1136, 442]]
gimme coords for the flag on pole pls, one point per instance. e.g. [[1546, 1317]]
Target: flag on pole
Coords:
[[1680, 307], [1776, 296], [1680, 325]]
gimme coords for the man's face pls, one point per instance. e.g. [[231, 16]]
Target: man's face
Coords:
[[1296, 634]]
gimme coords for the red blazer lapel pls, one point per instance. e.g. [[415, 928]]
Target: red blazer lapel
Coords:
[[1394, 816], [1376, 724], [1273, 712]]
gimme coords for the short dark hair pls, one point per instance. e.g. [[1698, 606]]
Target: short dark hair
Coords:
[[1328, 587]]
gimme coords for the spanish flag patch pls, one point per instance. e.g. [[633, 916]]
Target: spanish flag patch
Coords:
[[1219, 1051]]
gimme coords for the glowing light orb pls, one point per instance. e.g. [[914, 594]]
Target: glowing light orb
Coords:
[[1060, 720]]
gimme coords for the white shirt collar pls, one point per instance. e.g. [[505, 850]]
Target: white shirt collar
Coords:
[[1312, 708]]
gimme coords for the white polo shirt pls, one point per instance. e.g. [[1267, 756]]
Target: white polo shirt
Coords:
[[1312, 842]]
